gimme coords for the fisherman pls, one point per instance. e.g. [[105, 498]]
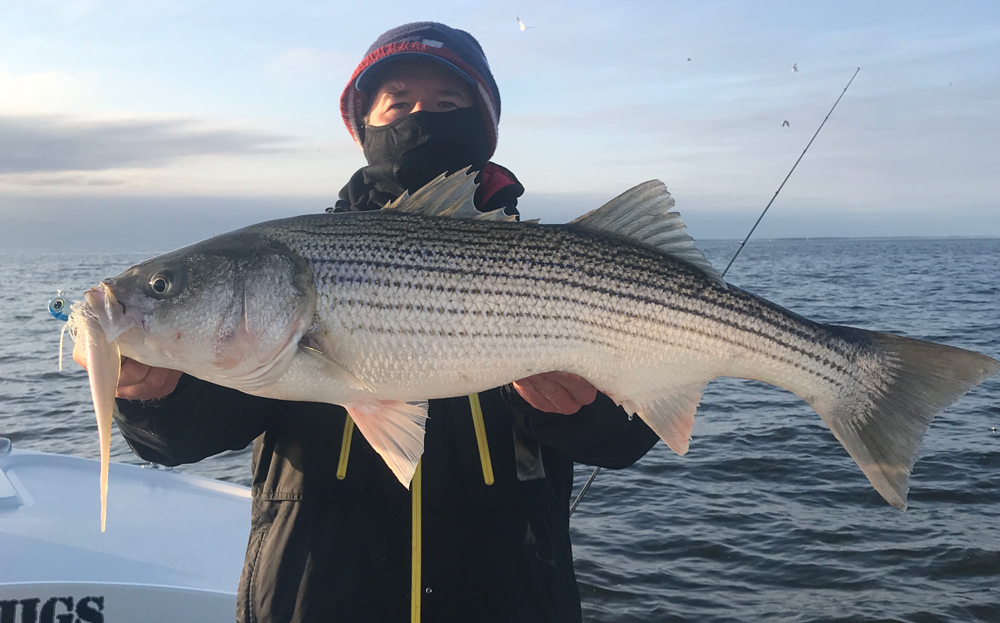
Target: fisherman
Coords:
[[483, 533]]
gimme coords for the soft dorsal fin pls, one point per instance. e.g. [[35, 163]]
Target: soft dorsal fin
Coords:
[[643, 214], [447, 195]]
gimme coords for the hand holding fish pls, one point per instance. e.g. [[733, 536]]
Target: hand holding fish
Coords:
[[137, 381], [553, 392], [556, 392]]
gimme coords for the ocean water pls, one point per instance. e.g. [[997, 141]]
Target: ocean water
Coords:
[[766, 518]]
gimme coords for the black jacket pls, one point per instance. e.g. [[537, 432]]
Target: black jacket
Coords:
[[328, 549], [324, 549]]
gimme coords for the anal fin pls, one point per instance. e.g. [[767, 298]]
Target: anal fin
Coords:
[[395, 430], [670, 414]]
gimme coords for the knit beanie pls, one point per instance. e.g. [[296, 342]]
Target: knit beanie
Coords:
[[453, 48]]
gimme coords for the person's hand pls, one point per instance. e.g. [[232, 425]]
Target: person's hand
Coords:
[[137, 381], [556, 392]]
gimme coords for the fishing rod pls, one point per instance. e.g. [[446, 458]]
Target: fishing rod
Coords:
[[759, 218], [597, 470]]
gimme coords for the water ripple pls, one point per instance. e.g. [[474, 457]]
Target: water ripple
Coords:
[[766, 518]]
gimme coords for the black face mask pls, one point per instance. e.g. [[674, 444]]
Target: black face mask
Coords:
[[411, 151]]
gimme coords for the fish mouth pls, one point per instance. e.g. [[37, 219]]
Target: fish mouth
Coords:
[[109, 311]]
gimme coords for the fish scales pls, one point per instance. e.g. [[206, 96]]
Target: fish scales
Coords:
[[584, 259], [429, 298], [440, 255]]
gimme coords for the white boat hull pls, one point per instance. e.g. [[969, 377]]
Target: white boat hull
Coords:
[[173, 549]]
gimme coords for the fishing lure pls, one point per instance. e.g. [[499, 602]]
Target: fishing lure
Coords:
[[59, 307]]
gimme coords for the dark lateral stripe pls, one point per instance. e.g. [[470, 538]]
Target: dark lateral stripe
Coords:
[[575, 252], [712, 306], [688, 328], [476, 334], [691, 328], [577, 248], [638, 266]]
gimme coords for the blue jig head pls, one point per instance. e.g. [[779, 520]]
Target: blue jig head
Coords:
[[59, 307]]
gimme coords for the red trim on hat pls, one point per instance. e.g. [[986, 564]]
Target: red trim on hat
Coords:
[[353, 101]]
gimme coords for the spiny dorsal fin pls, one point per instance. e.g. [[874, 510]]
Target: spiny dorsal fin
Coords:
[[447, 195], [643, 214]]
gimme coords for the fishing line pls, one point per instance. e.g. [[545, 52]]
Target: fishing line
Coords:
[[759, 218], [597, 470]]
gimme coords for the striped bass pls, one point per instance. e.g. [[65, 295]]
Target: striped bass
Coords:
[[429, 298]]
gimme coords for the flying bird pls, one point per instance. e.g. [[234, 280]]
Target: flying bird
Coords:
[[522, 26], [795, 67], [785, 124]]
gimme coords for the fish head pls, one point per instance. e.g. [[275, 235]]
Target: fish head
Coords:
[[226, 307]]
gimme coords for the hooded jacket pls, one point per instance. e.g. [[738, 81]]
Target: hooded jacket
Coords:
[[322, 548]]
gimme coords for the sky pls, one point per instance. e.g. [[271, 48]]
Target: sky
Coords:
[[149, 124]]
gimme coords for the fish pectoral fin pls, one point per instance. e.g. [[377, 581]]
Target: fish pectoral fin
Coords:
[[333, 368], [395, 430], [670, 414]]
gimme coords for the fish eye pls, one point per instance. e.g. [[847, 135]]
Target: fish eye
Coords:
[[162, 284], [57, 304]]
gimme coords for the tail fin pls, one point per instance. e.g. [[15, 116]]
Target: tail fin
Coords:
[[882, 419]]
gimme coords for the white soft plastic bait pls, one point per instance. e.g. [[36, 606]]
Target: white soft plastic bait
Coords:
[[103, 368]]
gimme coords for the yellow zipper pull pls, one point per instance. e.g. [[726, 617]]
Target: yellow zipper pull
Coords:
[[484, 448], [345, 447], [416, 492]]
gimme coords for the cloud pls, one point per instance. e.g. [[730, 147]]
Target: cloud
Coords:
[[151, 224], [311, 65], [70, 179], [45, 91], [34, 144]]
